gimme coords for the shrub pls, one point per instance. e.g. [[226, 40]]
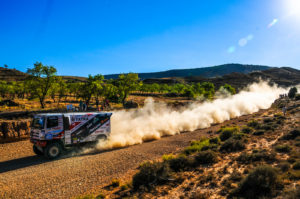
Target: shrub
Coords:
[[291, 135], [151, 173], [235, 176], [247, 130], [297, 97], [283, 148], [296, 165], [115, 183], [269, 126], [254, 124], [168, 157], [196, 146], [214, 140], [206, 157], [232, 145], [292, 92], [227, 132], [259, 132], [257, 155], [284, 166], [259, 182], [268, 120], [180, 163]]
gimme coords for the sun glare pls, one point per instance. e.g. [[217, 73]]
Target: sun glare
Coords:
[[293, 8]]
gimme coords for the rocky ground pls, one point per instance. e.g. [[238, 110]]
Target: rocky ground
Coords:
[[25, 175]]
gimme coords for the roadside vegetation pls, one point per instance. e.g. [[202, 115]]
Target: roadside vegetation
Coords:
[[51, 91]]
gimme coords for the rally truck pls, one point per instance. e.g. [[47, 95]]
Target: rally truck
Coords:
[[53, 133]]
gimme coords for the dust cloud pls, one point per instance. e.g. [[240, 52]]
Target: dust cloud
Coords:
[[156, 120]]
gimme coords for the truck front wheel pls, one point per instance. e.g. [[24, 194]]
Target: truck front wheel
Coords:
[[37, 151], [52, 150]]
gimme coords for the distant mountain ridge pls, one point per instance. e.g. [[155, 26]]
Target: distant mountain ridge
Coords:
[[206, 72]]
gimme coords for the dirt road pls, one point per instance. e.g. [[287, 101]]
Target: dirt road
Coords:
[[25, 175]]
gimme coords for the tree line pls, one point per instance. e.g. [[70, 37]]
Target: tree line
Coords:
[[42, 82]]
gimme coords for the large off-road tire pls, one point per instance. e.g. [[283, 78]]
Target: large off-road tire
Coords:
[[37, 151], [53, 150]]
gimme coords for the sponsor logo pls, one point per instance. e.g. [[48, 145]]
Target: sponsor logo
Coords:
[[49, 136], [78, 118]]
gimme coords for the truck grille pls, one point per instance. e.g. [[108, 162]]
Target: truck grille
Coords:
[[34, 135]]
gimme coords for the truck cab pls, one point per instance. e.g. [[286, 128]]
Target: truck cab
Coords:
[[51, 133]]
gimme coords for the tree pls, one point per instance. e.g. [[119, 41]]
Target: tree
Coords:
[[228, 88], [127, 83], [292, 92], [40, 81], [110, 92], [92, 87], [209, 89]]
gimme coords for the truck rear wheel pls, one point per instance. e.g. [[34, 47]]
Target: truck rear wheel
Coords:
[[52, 150], [37, 151]]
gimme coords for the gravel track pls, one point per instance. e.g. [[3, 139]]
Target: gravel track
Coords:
[[25, 175]]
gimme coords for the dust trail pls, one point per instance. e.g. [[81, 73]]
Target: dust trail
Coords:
[[155, 120]]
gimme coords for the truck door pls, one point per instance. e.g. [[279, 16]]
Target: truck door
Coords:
[[66, 120], [54, 127]]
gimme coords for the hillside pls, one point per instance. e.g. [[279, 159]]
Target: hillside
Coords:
[[11, 74], [282, 76], [207, 72]]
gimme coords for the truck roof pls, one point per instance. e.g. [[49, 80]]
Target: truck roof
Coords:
[[73, 113]]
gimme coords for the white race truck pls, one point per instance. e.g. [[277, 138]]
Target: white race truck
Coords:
[[51, 133]]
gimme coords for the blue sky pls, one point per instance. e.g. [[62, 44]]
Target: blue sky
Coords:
[[116, 36]]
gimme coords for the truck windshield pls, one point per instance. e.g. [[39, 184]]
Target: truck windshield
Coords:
[[38, 123]]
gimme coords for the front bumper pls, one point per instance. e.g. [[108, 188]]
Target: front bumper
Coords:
[[40, 143]]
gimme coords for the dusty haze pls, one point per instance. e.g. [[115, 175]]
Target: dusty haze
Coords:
[[155, 120]]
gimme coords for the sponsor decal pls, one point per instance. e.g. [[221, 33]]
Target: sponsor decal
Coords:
[[49, 136]]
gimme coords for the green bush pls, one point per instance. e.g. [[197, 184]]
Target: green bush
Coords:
[[296, 165], [261, 181], [206, 157], [247, 130], [291, 135], [297, 97], [232, 145], [254, 124], [181, 163], [196, 146], [283, 148], [214, 140], [168, 157], [150, 174], [227, 132]]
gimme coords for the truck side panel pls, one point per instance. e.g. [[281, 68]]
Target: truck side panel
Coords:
[[85, 128]]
